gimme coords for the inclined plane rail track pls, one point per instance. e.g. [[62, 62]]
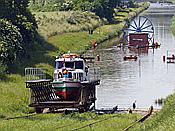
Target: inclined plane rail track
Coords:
[[19, 117], [147, 113], [145, 117]]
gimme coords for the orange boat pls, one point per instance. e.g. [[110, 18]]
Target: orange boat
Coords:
[[130, 57]]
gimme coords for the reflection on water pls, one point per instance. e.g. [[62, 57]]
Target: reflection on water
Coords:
[[144, 80]]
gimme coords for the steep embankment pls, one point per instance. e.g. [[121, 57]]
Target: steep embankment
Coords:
[[59, 22]]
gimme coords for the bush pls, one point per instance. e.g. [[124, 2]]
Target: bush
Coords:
[[10, 42]]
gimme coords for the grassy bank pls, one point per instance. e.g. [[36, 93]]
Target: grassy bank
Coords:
[[59, 22], [163, 121], [59, 122], [14, 96], [129, 13], [83, 40]]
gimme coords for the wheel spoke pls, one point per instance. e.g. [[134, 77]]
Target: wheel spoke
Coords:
[[135, 23], [143, 23], [139, 21], [133, 27], [146, 27]]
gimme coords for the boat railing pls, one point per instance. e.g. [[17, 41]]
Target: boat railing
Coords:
[[35, 73]]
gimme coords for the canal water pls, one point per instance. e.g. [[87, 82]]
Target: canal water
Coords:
[[144, 80]]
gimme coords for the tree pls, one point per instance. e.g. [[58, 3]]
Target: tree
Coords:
[[17, 13], [103, 9], [132, 4], [10, 42], [114, 3]]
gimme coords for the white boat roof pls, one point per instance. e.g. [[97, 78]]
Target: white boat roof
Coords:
[[69, 59]]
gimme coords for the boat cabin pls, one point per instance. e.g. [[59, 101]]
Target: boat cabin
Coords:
[[70, 66], [138, 39]]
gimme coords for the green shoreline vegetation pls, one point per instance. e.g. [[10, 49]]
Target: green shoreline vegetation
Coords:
[[15, 97], [163, 120]]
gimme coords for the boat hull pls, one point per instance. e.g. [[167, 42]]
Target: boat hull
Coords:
[[130, 57], [67, 90]]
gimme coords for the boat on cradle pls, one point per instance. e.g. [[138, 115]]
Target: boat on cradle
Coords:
[[70, 75]]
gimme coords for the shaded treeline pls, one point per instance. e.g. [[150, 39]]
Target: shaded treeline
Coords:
[[17, 31], [102, 8]]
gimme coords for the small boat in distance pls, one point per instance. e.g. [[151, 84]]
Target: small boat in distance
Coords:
[[130, 57]]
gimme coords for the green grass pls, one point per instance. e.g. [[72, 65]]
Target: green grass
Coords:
[[162, 121], [81, 41], [59, 122], [129, 13], [14, 102], [14, 96], [58, 22]]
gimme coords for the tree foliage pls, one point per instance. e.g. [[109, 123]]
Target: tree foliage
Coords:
[[132, 4], [17, 13], [10, 42], [17, 29], [102, 8]]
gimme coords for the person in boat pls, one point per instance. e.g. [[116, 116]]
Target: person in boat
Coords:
[[60, 75], [65, 73]]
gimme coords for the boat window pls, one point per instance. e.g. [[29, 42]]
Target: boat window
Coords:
[[59, 64], [69, 64], [78, 64]]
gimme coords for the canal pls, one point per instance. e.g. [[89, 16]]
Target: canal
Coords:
[[144, 80]]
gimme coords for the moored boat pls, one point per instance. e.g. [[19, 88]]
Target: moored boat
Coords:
[[130, 57]]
